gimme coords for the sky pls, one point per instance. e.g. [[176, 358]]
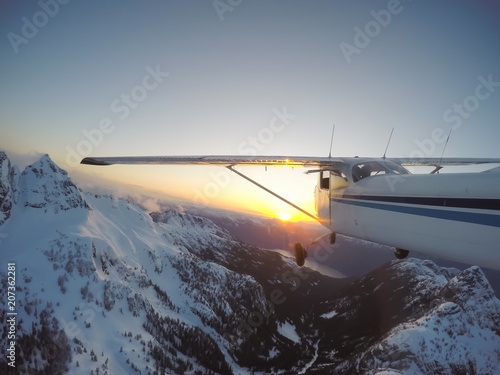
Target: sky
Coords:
[[233, 77]]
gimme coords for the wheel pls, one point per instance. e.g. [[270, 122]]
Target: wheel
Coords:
[[400, 253], [300, 254], [333, 238]]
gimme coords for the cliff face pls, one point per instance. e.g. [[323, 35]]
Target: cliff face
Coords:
[[7, 187], [45, 186]]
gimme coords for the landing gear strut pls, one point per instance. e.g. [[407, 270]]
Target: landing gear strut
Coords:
[[333, 238], [400, 253], [300, 254]]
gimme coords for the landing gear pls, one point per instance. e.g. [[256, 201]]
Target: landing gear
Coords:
[[300, 254], [400, 253]]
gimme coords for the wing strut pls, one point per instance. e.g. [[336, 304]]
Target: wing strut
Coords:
[[230, 167]]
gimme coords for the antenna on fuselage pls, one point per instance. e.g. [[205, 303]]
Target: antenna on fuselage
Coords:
[[438, 167], [446, 144], [389, 141], [331, 143]]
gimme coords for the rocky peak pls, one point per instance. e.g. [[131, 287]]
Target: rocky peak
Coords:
[[46, 186], [7, 187]]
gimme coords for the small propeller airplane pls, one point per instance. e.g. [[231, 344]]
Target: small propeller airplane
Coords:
[[454, 216]]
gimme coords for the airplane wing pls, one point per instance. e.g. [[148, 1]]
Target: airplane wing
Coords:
[[433, 162], [290, 161], [220, 160]]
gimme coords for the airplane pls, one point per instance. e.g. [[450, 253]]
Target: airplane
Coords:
[[454, 216]]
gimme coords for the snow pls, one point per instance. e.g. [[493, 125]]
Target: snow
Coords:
[[7, 196], [94, 261], [329, 315], [311, 362], [447, 332], [288, 330], [95, 234]]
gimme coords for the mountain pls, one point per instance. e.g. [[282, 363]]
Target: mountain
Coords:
[[46, 186], [8, 193], [348, 257], [412, 317], [104, 287], [262, 231]]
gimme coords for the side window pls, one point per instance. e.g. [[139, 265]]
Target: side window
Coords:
[[333, 180], [338, 180]]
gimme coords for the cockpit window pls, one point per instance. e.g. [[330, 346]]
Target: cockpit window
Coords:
[[372, 168], [363, 170], [396, 168]]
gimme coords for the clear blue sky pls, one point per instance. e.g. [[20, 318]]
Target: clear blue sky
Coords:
[[99, 78]]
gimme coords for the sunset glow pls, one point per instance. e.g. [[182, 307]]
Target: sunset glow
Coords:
[[284, 216], [174, 86]]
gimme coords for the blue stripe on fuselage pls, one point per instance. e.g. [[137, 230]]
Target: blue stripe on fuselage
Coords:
[[468, 217]]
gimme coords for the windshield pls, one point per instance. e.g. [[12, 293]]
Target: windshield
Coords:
[[395, 168], [373, 168]]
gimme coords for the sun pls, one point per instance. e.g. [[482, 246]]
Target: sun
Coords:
[[284, 216]]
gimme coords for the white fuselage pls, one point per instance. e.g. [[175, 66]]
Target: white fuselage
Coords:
[[452, 216]]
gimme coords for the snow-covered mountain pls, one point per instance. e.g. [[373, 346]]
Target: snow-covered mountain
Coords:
[[412, 317], [45, 186], [8, 193], [104, 287], [261, 231]]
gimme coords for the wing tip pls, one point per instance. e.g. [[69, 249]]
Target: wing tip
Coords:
[[93, 161]]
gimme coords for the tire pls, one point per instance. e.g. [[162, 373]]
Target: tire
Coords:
[[300, 254], [400, 253]]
